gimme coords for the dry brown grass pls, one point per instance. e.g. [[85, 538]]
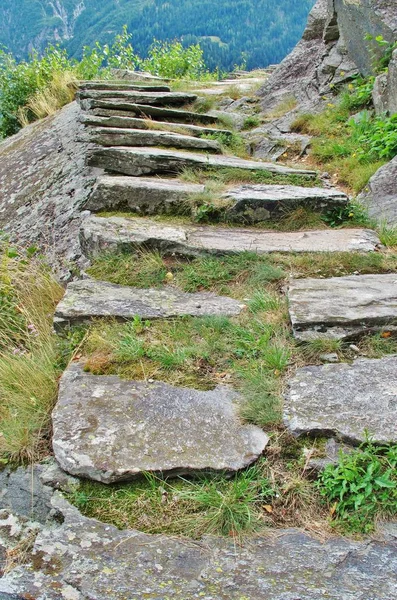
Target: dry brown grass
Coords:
[[60, 91]]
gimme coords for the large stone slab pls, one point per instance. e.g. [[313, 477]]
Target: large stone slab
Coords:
[[97, 561], [121, 86], [146, 196], [109, 429], [150, 98], [89, 299], [255, 203], [106, 118], [106, 136], [154, 112], [149, 161], [100, 234], [345, 400], [342, 307]]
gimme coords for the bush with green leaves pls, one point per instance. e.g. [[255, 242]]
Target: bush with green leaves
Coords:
[[376, 136], [362, 487]]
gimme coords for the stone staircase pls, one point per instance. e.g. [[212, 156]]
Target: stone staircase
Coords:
[[108, 429]]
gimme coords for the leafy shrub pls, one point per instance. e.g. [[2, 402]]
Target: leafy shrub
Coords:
[[362, 486], [173, 61], [376, 137]]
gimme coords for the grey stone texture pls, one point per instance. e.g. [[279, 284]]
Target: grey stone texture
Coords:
[[150, 98], [23, 493], [255, 203], [99, 234], [380, 196], [148, 196], [124, 108], [96, 561], [151, 161], [109, 430], [121, 86], [342, 307], [89, 299], [345, 400], [107, 136], [44, 183], [104, 118]]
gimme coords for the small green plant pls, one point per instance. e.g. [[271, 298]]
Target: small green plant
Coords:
[[354, 213], [361, 487], [251, 122]]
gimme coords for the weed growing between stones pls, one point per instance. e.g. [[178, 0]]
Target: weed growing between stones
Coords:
[[236, 176], [362, 486]]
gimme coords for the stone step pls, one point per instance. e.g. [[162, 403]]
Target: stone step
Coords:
[[107, 136], [89, 299], [100, 234], [257, 203], [121, 86], [145, 98], [152, 161], [108, 429], [244, 204], [146, 196], [104, 118], [345, 400], [130, 109], [343, 307]]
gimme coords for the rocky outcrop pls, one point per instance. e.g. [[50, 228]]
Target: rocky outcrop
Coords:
[[333, 49], [384, 93], [83, 559], [44, 184]]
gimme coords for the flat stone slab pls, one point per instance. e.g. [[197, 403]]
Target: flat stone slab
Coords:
[[120, 86], [146, 196], [255, 203], [150, 161], [107, 136], [345, 400], [95, 560], [150, 98], [100, 234], [108, 429], [105, 118], [89, 299], [342, 307], [131, 109]]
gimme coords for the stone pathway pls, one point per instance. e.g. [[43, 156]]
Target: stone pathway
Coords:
[[110, 430]]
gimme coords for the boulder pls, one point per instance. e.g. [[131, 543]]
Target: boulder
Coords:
[[342, 307], [380, 195], [108, 429], [384, 94], [89, 299], [349, 401], [99, 234]]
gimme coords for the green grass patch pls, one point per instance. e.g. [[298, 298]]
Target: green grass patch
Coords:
[[236, 176]]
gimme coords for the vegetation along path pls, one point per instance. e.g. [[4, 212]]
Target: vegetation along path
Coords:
[[209, 450]]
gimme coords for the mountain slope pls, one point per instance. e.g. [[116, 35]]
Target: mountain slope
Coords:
[[260, 31]]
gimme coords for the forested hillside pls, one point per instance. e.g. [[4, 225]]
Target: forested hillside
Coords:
[[230, 31]]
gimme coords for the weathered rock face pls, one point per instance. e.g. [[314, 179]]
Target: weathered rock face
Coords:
[[332, 50], [380, 196], [100, 234], [384, 94], [94, 560], [110, 430], [88, 299], [342, 307], [44, 183], [145, 98], [345, 400]]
